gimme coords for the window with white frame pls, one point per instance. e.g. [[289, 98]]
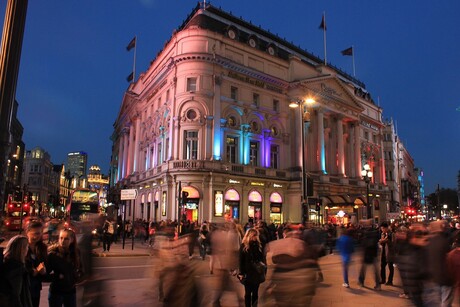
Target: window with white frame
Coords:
[[254, 153], [274, 156], [232, 149], [191, 145]]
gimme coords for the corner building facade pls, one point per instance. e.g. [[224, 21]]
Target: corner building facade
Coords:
[[211, 117]]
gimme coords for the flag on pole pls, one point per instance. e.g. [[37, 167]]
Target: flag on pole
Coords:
[[131, 44], [323, 23], [348, 51], [130, 77]]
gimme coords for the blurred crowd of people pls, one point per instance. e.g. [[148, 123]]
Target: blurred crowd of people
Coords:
[[283, 258]]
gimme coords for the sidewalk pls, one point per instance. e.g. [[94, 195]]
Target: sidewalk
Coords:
[[117, 250]]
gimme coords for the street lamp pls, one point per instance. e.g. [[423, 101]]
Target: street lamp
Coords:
[[304, 119], [366, 173]]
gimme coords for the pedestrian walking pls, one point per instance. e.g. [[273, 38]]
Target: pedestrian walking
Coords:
[[453, 264], [345, 246], [64, 266], [370, 252], [293, 270], [251, 257], [438, 286], [36, 259], [14, 278], [108, 230]]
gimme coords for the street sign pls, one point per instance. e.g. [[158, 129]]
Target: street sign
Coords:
[[128, 194]]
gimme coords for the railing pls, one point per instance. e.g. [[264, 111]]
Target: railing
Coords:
[[245, 170]]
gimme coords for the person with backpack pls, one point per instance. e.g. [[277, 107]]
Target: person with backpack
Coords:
[[14, 278]]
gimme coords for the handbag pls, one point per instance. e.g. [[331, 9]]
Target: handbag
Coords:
[[261, 269]]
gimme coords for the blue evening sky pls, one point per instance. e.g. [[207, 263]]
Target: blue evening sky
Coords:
[[74, 66]]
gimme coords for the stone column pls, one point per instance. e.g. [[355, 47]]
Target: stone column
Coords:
[[217, 140], [340, 148], [120, 157], [321, 149], [130, 158], [125, 155], [357, 140], [136, 144]]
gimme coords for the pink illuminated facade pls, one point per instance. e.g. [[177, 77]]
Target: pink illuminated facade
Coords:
[[211, 117]]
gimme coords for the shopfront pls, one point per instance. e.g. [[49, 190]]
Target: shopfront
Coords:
[[192, 204], [232, 204], [276, 206], [255, 206], [156, 202]]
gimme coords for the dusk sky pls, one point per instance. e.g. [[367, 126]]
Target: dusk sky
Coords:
[[74, 66]]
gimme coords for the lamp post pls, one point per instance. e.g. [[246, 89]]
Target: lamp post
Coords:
[[304, 119], [366, 173]]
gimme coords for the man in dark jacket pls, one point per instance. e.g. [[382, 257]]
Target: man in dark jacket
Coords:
[[386, 254], [370, 249]]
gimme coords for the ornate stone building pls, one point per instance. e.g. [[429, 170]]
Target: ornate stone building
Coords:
[[211, 117]]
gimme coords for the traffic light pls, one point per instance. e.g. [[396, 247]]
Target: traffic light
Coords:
[[184, 197]]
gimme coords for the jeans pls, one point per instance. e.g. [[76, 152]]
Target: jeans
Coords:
[[62, 299], [251, 294], [345, 266], [383, 264], [362, 272]]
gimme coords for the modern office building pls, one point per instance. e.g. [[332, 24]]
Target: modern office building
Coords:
[[76, 165], [211, 117]]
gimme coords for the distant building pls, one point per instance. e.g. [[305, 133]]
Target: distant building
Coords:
[[98, 182], [14, 165], [59, 190], [37, 176], [76, 164]]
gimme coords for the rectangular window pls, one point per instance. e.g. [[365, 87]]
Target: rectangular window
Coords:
[[191, 84], [191, 145], [159, 154], [256, 99], [254, 153], [234, 93], [366, 135], [232, 149], [276, 105], [167, 95], [274, 156]]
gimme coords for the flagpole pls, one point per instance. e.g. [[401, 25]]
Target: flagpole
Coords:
[[324, 35], [353, 54], [134, 60]]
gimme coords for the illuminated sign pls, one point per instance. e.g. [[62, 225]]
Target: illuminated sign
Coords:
[[218, 203], [233, 181], [259, 184], [275, 185]]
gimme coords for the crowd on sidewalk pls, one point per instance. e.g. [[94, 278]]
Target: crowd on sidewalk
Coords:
[[284, 258]]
